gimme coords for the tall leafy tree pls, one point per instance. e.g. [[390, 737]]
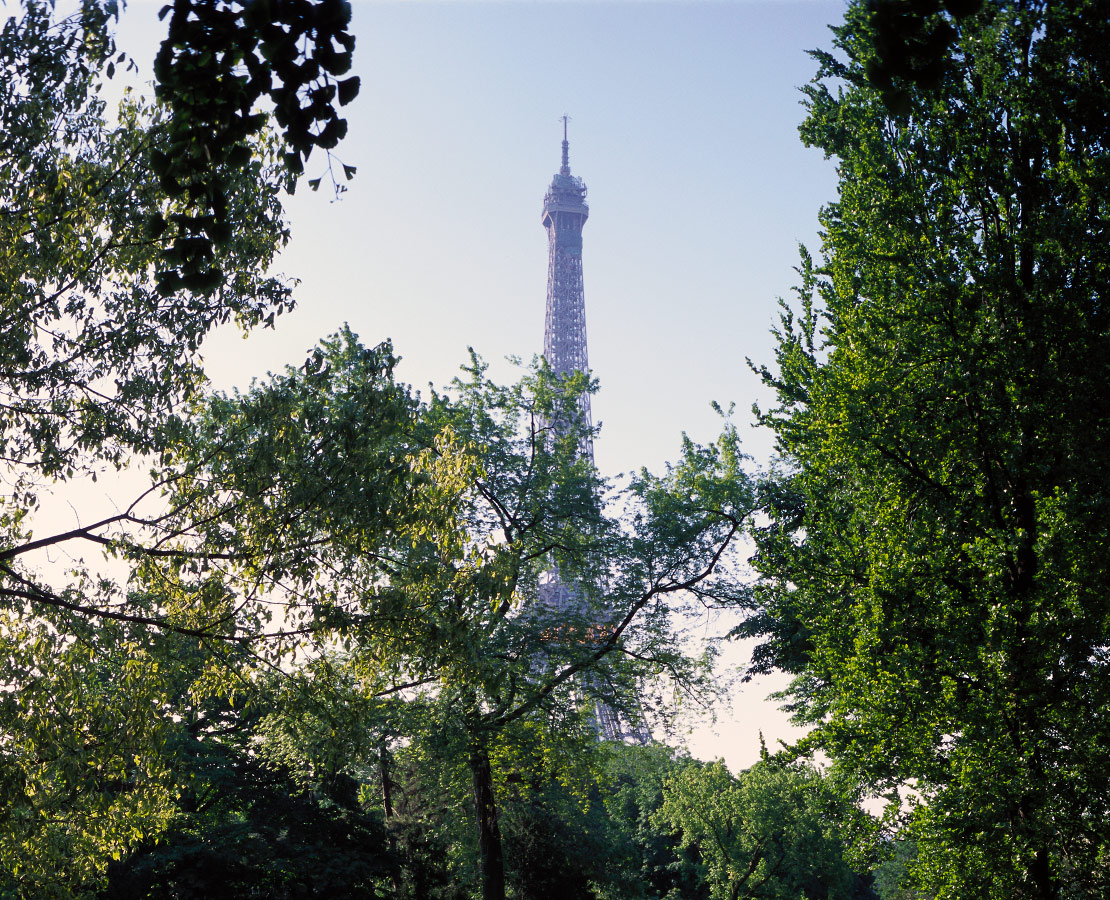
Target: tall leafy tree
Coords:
[[79, 781], [647, 861], [118, 255], [933, 570], [261, 814], [414, 535], [99, 355]]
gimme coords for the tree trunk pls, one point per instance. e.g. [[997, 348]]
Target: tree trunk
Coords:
[[387, 809], [1043, 877], [387, 783], [489, 832]]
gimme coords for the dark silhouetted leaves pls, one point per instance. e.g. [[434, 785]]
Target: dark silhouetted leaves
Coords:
[[219, 61]]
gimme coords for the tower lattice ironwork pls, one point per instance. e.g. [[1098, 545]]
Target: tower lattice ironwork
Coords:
[[564, 339], [564, 347]]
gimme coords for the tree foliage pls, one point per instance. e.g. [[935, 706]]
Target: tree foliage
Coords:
[[332, 585], [128, 236], [224, 68], [414, 536], [771, 833], [102, 359], [647, 860], [81, 776], [219, 61], [912, 43], [261, 835], [98, 354], [933, 568]]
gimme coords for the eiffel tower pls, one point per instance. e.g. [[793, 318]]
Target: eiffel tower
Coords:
[[564, 347]]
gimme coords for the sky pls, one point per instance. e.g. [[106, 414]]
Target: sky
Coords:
[[683, 124]]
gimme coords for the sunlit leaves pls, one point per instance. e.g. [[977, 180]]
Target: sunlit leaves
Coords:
[[100, 351], [771, 833], [86, 718]]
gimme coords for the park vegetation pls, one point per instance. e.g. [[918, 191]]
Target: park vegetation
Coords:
[[312, 661]]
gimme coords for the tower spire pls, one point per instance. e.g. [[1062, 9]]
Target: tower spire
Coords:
[[565, 168]]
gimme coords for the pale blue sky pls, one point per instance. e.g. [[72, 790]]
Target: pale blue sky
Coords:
[[683, 125]]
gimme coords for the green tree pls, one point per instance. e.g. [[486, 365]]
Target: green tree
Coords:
[[557, 835], [434, 523], [125, 239], [95, 704], [117, 258], [145, 763], [933, 570], [321, 725], [98, 355], [892, 874], [257, 820], [79, 783], [771, 833], [647, 860], [117, 737]]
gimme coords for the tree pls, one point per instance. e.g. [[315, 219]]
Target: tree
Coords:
[[80, 780], [912, 42], [414, 535], [257, 820], [892, 878], [771, 833], [99, 356], [558, 837], [647, 860], [933, 569], [126, 239], [117, 257], [320, 725], [270, 839]]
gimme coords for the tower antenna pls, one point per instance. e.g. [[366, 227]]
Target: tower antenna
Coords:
[[565, 169]]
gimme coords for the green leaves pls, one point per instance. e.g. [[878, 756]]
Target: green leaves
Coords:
[[86, 776], [772, 833], [912, 44], [913, 568], [415, 537], [101, 334]]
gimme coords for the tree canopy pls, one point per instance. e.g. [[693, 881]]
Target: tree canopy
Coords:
[[414, 536], [933, 569], [772, 833], [320, 657]]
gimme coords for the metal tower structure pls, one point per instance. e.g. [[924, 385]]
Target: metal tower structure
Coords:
[[564, 338], [564, 347]]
